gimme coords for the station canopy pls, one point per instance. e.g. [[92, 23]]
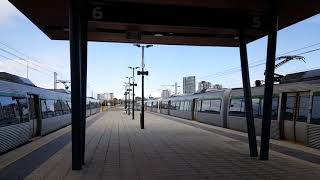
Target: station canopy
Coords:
[[177, 22]]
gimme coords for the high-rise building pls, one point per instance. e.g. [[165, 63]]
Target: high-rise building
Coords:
[[203, 85], [189, 85], [165, 93]]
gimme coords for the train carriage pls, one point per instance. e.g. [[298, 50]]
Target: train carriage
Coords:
[[27, 111], [295, 108]]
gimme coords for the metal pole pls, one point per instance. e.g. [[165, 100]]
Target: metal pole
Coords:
[[125, 100], [74, 24], [27, 69], [142, 91], [55, 80], [129, 98], [83, 58], [133, 93], [268, 88], [247, 96]]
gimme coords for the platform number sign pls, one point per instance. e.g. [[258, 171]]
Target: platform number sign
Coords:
[[97, 13], [256, 22]]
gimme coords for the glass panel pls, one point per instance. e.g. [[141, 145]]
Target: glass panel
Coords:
[[315, 119], [303, 108], [47, 108], [205, 106], [64, 107], [275, 103], [236, 107], [58, 108], [215, 106], [256, 107], [69, 105], [187, 106], [10, 112], [199, 106], [181, 105], [32, 108], [177, 105], [23, 109], [289, 108]]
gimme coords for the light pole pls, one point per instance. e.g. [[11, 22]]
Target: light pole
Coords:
[[129, 95], [133, 85], [125, 97], [142, 73]]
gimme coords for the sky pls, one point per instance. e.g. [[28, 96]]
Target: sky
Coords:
[[108, 62]]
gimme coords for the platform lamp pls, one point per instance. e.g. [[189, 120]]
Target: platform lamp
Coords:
[[142, 73], [128, 90], [133, 85]]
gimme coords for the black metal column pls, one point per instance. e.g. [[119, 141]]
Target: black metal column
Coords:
[[268, 88], [76, 94], [142, 103], [133, 98], [83, 52], [247, 96]]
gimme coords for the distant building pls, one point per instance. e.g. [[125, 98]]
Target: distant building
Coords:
[[106, 96], [189, 85], [217, 86], [165, 93], [203, 85]]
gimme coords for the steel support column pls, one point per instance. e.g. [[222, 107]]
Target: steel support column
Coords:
[[83, 52], [268, 88], [247, 96], [76, 29]]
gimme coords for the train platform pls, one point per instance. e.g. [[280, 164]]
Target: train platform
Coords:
[[168, 148]]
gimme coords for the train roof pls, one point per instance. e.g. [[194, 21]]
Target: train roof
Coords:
[[15, 79], [301, 76]]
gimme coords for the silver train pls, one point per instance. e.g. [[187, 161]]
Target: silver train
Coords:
[[295, 108], [27, 111]]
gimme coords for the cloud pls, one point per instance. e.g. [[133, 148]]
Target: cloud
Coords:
[[7, 11]]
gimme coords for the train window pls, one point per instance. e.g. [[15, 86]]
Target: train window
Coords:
[[165, 105], [58, 108], [187, 106], [315, 118], [275, 102], [256, 107], [172, 105], [289, 108], [69, 105], [23, 107], [47, 108], [65, 107], [215, 106], [13, 111], [236, 107], [181, 105], [199, 106], [32, 108], [177, 105], [303, 108], [205, 106]]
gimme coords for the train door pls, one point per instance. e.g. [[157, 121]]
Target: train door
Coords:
[[196, 106], [295, 116], [34, 109]]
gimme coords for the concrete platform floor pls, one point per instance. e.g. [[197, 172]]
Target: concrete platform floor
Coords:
[[116, 149]]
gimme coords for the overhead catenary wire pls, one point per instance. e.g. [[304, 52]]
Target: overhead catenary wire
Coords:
[[7, 58], [253, 65], [30, 60]]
